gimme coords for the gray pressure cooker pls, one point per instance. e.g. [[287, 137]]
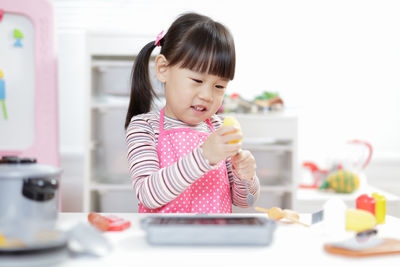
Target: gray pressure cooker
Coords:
[[29, 195]]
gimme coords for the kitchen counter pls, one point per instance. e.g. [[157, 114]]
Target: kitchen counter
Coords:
[[311, 200], [293, 245]]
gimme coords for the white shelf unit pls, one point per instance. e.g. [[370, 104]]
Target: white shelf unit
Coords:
[[272, 138], [105, 168]]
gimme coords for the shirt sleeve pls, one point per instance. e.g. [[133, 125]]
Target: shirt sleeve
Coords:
[[238, 188], [155, 186]]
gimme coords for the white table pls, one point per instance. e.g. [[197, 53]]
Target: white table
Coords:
[[293, 245], [312, 200]]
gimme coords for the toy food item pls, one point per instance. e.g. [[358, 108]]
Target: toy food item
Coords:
[[380, 208], [10, 243], [291, 215], [108, 223], [229, 120], [276, 213], [365, 202], [342, 181], [3, 240], [359, 220], [98, 221], [117, 223], [269, 100]]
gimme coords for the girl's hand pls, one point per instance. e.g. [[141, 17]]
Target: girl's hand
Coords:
[[216, 146], [244, 164]]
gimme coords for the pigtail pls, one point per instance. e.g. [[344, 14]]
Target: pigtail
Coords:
[[142, 93]]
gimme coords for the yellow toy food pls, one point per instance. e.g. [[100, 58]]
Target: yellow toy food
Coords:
[[3, 240], [229, 120], [10, 243], [291, 215], [277, 214], [343, 181], [359, 220], [380, 208]]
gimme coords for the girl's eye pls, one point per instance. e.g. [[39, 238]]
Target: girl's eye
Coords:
[[220, 87], [197, 81]]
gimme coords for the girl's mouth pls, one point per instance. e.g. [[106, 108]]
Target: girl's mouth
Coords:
[[199, 108]]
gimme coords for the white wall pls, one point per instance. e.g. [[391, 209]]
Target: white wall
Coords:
[[337, 63]]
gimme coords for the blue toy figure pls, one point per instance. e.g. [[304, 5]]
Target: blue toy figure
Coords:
[[3, 94]]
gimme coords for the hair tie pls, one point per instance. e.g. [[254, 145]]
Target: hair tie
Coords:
[[158, 39]]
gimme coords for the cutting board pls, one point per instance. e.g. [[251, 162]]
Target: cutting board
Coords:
[[389, 246]]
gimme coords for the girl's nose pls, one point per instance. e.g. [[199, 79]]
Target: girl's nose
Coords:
[[205, 93]]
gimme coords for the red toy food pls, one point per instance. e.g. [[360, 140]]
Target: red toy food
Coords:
[[117, 223], [98, 221], [108, 223]]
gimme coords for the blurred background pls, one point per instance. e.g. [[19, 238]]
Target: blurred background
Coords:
[[335, 65]]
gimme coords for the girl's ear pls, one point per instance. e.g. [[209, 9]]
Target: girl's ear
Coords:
[[161, 68]]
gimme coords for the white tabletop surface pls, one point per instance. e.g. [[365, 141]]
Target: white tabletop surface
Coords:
[[293, 245], [312, 200]]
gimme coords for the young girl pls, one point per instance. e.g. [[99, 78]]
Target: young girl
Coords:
[[180, 158]]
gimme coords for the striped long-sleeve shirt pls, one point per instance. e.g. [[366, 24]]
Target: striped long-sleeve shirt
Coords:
[[152, 184]]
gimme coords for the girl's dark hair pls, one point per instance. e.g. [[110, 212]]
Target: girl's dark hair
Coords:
[[193, 41]]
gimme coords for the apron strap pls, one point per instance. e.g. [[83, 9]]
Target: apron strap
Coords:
[[210, 125], [161, 125]]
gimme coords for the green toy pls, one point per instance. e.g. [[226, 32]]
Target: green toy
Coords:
[[18, 34], [267, 95], [18, 37], [341, 181]]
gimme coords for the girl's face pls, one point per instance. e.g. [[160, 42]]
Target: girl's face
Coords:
[[192, 97]]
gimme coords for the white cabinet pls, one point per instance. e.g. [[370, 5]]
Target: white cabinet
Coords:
[[272, 138], [110, 58]]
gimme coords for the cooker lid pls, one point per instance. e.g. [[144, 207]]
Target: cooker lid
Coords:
[[20, 168]]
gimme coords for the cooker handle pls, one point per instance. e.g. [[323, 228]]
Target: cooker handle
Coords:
[[39, 189]]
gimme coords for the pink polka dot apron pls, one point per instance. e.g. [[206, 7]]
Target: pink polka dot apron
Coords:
[[210, 193]]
